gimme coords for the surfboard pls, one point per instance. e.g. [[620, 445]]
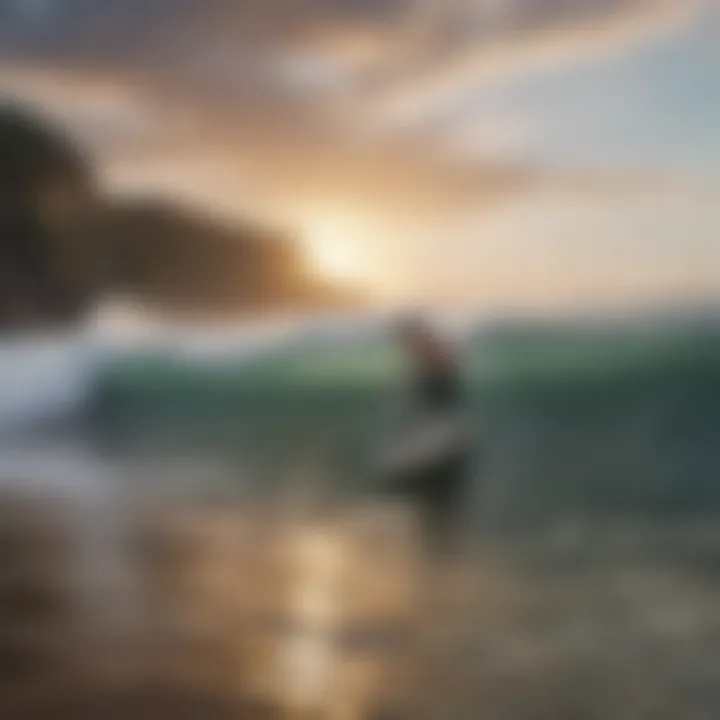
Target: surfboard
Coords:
[[423, 444]]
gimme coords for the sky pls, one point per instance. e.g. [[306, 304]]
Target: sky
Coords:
[[474, 153]]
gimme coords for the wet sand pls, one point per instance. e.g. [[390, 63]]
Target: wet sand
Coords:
[[232, 611]]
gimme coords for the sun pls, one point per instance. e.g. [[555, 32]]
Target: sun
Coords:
[[333, 250], [334, 261]]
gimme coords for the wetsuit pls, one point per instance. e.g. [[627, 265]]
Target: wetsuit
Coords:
[[437, 485]]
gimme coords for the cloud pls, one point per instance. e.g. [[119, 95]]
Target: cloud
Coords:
[[252, 163], [372, 61], [314, 86], [507, 53], [263, 107]]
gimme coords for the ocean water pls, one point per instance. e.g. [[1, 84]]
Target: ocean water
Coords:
[[222, 503], [596, 418]]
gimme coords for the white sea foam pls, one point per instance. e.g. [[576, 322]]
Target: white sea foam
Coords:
[[46, 377]]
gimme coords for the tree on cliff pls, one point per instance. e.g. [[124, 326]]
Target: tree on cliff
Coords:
[[47, 258], [182, 260], [63, 246]]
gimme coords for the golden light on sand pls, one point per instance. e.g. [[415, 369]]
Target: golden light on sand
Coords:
[[308, 661]]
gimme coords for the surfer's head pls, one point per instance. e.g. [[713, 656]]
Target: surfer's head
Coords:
[[414, 327], [423, 342]]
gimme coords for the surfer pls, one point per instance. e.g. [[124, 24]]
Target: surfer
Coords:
[[430, 447]]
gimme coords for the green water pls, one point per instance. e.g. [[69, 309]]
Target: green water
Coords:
[[609, 420]]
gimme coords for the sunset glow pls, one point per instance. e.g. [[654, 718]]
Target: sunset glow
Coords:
[[333, 245]]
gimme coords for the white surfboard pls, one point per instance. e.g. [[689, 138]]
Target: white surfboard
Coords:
[[424, 443]]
